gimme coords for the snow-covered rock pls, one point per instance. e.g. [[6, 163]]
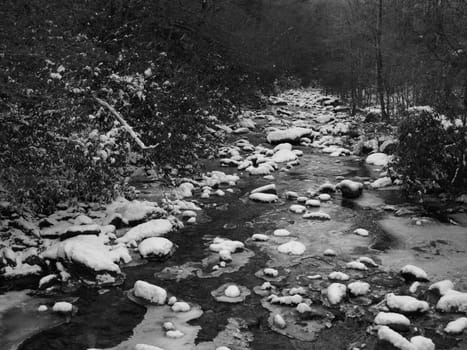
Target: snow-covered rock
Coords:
[[404, 303], [271, 188], [279, 321], [146, 347], [398, 341], [336, 292], [89, 251], [292, 135], [361, 232], [378, 159], [391, 319], [270, 272], [292, 248], [411, 272], [452, 301], [281, 232], [324, 197], [152, 228], [350, 189], [264, 197], [422, 343], [220, 244], [329, 252], [150, 292], [62, 307], [284, 156], [367, 261], [338, 276], [358, 288], [356, 265], [260, 237], [442, 287], [157, 247], [381, 182], [181, 306], [457, 326], [316, 215], [313, 203], [297, 208]]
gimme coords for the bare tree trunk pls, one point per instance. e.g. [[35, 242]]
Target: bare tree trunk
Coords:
[[379, 60]]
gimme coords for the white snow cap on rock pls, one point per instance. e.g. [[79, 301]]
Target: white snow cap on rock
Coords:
[[150, 292], [152, 228], [457, 326], [181, 306], [146, 347], [336, 292], [297, 208], [340, 276], [264, 197], [398, 341], [283, 156], [422, 343], [359, 288], [361, 232], [232, 291], [281, 232], [442, 286], [356, 265], [260, 237], [86, 250], [415, 272], [292, 134], [63, 307], [292, 247], [220, 244], [406, 303], [391, 318], [379, 159], [155, 246], [453, 301]]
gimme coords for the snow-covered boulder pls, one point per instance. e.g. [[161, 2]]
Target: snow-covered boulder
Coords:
[[381, 182], [281, 232], [284, 156], [271, 188], [264, 197], [220, 244], [414, 273], [350, 189], [338, 276], [297, 208], [392, 319], [398, 341], [457, 326], [155, 247], [361, 232], [336, 292], [62, 307], [152, 228], [442, 287], [291, 135], [356, 265], [378, 159], [404, 303], [358, 288], [87, 251], [292, 248], [230, 293], [316, 215], [452, 301], [150, 292]]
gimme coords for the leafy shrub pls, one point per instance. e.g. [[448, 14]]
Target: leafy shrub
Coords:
[[430, 155]]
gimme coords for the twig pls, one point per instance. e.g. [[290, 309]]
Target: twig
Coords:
[[127, 127]]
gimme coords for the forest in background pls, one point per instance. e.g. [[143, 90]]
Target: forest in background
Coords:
[[175, 68]]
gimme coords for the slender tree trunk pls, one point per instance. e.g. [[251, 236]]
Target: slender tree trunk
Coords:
[[379, 60]]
